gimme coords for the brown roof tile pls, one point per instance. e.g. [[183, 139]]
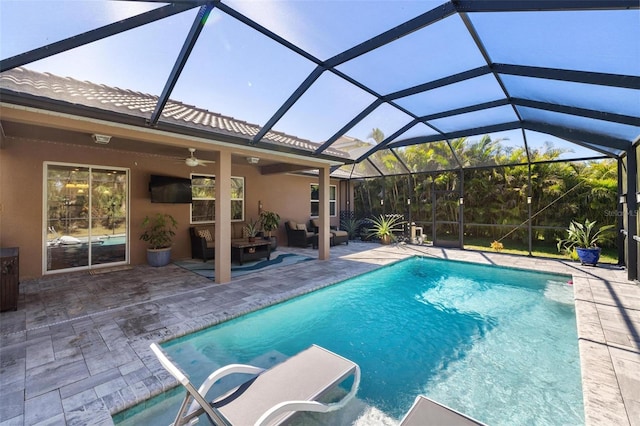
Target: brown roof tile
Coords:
[[22, 80]]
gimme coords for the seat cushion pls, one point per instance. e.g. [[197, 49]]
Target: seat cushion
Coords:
[[340, 233], [301, 227]]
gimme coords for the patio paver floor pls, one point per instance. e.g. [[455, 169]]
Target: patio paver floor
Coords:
[[77, 349]]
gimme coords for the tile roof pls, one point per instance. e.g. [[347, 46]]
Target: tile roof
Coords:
[[137, 104]]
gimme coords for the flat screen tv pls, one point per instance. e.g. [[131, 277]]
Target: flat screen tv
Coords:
[[170, 189]]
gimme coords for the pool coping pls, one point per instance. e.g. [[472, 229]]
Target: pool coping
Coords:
[[37, 352]]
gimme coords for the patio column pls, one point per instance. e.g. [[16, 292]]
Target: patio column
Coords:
[[323, 232], [222, 170]]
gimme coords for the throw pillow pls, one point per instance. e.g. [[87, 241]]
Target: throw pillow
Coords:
[[206, 234], [301, 227]]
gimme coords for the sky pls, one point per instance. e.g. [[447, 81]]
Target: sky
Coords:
[[235, 71]]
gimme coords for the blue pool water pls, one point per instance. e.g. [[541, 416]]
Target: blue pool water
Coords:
[[110, 240], [495, 343]]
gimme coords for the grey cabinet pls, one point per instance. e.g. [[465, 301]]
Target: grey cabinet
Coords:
[[9, 278]]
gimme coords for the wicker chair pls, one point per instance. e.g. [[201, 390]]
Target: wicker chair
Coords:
[[202, 242], [299, 236]]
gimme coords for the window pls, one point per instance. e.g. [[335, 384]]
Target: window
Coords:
[[203, 190], [315, 200]]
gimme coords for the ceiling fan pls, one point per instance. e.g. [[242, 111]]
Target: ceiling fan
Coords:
[[192, 161]]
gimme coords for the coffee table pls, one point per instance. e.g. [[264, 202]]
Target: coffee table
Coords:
[[243, 250]]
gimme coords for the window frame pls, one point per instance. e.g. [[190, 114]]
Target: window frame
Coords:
[[333, 202], [236, 199]]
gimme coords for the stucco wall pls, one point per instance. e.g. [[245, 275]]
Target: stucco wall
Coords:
[[21, 195]]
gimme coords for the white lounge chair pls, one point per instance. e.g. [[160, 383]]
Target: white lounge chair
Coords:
[[271, 396], [425, 411]]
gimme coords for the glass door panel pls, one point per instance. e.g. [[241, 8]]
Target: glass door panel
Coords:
[[86, 222], [108, 216], [67, 217]]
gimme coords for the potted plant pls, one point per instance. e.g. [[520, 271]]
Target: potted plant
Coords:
[[269, 221], [351, 225], [158, 232], [251, 231], [583, 238], [384, 226]]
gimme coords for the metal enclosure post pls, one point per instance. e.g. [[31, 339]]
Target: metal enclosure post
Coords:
[[620, 217], [384, 194], [410, 187], [433, 209], [461, 211], [632, 220], [529, 206]]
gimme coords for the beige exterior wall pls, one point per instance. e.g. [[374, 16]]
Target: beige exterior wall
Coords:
[[21, 195]]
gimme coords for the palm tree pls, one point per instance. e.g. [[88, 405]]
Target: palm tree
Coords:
[[376, 134]]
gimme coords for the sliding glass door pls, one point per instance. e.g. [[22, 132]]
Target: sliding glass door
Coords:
[[86, 216]]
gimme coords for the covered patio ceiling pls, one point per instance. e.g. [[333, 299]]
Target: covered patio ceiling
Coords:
[[531, 74]]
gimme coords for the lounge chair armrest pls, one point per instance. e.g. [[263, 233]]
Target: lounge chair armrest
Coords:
[[219, 374], [286, 406], [168, 365], [225, 371]]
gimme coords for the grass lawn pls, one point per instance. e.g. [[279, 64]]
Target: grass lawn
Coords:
[[540, 249]]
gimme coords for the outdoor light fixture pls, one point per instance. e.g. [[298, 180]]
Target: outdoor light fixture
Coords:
[[101, 139], [461, 201], [381, 202], [622, 197], [528, 200], [253, 160], [408, 201]]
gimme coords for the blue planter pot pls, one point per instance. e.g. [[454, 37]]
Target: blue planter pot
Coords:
[[159, 257], [589, 256]]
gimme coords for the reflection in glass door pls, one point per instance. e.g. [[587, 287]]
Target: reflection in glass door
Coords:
[[87, 216]]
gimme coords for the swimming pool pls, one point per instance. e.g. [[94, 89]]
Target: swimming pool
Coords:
[[110, 240], [498, 344]]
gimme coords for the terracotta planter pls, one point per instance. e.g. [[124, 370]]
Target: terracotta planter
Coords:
[[385, 239]]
